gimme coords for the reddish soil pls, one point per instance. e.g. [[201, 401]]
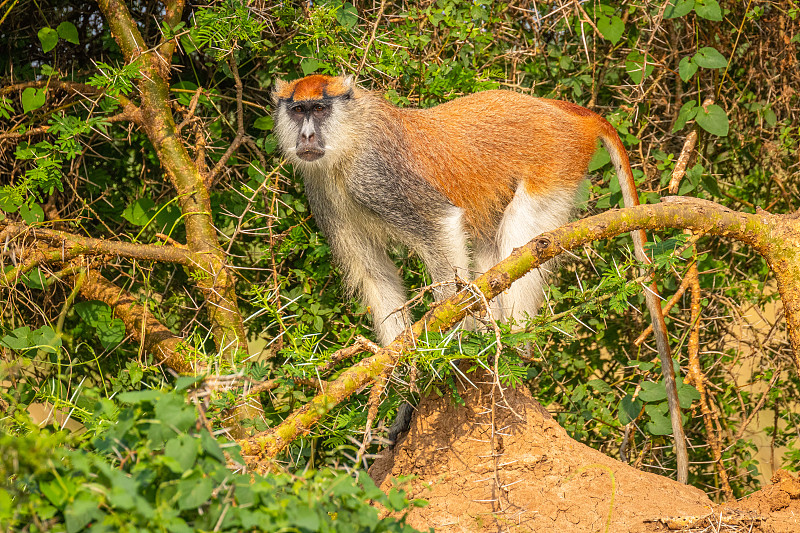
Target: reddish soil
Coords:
[[538, 479]]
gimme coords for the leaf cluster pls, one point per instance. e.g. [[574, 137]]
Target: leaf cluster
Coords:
[[152, 467]]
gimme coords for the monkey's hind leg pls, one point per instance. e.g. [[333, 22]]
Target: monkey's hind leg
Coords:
[[445, 253], [525, 217]]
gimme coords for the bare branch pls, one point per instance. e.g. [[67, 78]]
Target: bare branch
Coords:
[[211, 179]]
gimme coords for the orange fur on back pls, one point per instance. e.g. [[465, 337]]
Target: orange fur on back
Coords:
[[495, 129]]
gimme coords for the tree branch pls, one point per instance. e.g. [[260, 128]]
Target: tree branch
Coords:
[[156, 337], [700, 216], [159, 125], [174, 12], [211, 179], [71, 87], [71, 245]]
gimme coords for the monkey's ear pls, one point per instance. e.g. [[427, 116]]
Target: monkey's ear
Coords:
[[280, 86], [349, 81]]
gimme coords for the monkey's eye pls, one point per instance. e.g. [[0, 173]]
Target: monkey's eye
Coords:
[[297, 109], [319, 107]]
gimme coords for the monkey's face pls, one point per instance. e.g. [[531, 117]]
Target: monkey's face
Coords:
[[310, 118]]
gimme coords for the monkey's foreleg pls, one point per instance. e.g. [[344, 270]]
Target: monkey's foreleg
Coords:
[[371, 273]]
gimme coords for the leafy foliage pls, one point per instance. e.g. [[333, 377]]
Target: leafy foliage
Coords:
[[150, 466], [73, 162]]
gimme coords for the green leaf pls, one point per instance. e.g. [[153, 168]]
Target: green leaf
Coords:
[[714, 120], [710, 184], [686, 187], [211, 446], [35, 279], [68, 32], [135, 371], [304, 518], [642, 365], [140, 396], [183, 449], [664, 247], [678, 8], [263, 123], [32, 214], [121, 498], [80, 512], [49, 38], [19, 339], [769, 116], [687, 68], [192, 492], [629, 409], [139, 212], [10, 199], [599, 385], [185, 90], [397, 499], [636, 68], [347, 16], [660, 423], [611, 28], [32, 99], [708, 9], [599, 159], [46, 339], [111, 333], [184, 382], [309, 65], [93, 312], [688, 112], [54, 492], [686, 395], [187, 43], [173, 411], [652, 392], [268, 143], [708, 57]]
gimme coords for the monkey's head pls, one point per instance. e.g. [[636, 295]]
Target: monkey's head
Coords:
[[315, 117]]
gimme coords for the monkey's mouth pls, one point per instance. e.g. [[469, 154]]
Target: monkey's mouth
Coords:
[[310, 154]]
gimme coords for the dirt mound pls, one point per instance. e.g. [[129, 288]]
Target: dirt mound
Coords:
[[531, 476], [776, 508]]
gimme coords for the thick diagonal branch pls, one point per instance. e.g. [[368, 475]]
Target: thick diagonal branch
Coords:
[[775, 237], [65, 246], [156, 337]]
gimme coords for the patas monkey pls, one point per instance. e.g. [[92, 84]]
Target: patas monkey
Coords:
[[494, 169]]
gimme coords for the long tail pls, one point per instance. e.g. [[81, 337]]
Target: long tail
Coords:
[[630, 196]]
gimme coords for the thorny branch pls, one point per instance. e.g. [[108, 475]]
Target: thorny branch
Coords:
[[212, 177], [185, 176], [699, 216], [156, 338], [23, 244]]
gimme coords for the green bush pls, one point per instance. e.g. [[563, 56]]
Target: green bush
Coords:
[[150, 465]]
